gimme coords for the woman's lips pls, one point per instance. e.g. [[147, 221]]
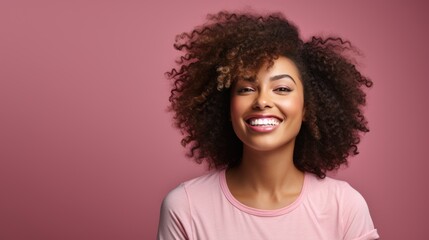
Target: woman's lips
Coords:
[[263, 123]]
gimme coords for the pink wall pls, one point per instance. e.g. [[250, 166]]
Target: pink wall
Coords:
[[87, 150]]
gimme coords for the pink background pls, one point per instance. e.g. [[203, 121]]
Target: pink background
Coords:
[[87, 150]]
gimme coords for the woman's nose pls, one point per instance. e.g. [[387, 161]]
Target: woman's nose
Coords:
[[262, 101]]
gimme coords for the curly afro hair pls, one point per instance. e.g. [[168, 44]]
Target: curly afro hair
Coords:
[[231, 46]]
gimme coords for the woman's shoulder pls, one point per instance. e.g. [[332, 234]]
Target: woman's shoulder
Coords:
[[330, 193], [196, 187], [177, 206], [332, 187], [204, 180], [338, 198]]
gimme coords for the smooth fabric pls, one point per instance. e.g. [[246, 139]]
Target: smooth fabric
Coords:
[[204, 208]]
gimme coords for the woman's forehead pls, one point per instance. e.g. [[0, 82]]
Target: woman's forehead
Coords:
[[278, 66]]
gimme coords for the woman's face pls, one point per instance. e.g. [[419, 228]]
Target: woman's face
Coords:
[[267, 113]]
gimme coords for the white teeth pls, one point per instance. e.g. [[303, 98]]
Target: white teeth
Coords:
[[264, 122]]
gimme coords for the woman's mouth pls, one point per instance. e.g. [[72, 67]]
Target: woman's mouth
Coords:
[[263, 121], [263, 124]]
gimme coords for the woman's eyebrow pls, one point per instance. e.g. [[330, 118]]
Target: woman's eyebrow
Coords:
[[277, 77]]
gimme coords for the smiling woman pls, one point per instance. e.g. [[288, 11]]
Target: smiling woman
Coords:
[[271, 114], [272, 103]]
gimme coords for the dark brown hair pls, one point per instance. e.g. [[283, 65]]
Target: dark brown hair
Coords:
[[232, 46]]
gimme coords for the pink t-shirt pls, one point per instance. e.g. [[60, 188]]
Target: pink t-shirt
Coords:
[[204, 208]]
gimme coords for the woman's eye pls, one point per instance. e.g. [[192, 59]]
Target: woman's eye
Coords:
[[245, 90], [283, 89]]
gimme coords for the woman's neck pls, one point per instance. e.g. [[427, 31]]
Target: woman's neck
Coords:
[[269, 170], [265, 179]]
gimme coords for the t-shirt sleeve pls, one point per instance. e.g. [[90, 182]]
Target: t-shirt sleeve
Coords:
[[357, 220], [174, 222]]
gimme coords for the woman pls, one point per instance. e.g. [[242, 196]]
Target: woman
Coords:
[[271, 114]]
